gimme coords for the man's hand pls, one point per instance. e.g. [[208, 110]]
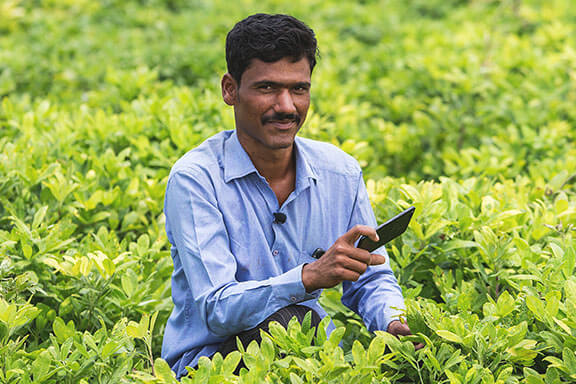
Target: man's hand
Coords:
[[342, 261], [400, 328]]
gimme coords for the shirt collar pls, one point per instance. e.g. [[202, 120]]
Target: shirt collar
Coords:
[[304, 171], [237, 163]]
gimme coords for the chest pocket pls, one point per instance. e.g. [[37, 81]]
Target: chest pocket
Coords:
[[306, 254]]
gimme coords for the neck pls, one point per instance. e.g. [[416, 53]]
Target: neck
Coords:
[[274, 165], [277, 166]]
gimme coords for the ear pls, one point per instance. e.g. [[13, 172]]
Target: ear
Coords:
[[229, 89]]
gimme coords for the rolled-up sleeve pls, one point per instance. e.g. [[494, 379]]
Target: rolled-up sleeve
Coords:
[[197, 230], [376, 296]]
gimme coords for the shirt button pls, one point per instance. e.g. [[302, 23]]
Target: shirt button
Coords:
[[275, 252], [293, 299]]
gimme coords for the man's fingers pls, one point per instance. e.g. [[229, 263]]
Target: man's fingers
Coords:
[[356, 266], [376, 259], [358, 230], [399, 328], [366, 257], [361, 255]]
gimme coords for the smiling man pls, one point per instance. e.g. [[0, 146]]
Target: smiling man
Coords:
[[246, 210]]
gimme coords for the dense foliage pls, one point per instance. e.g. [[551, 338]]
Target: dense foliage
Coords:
[[464, 109]]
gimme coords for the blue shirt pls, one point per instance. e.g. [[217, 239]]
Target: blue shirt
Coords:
[[234, 267]]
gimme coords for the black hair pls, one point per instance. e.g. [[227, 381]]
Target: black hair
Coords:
[[268, 38]]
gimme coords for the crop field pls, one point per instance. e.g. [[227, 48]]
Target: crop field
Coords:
[[465, 109]]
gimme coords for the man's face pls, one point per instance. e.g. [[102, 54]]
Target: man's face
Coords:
[[271, 103]]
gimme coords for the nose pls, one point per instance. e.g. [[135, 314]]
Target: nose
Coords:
[[285, 102]]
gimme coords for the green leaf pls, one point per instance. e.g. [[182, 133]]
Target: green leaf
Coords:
[[505, 304], [488, 378], [295, 379], [277, 332], [560, 206], [136, 330], [311, 350], [283, 363], [391, 341], [267, 349], [434, 227], [217, 361], [152, 323], [569, 359], [523, 351], [307, 322], [376, 348], [554, 362], [558, 180], [536, 306], [517, 333], [450, 336], [39, 216], [455, 359], [534, 380], [163, 371], [533, 377], [61, 331], [509, 214], [41, 366], [411, 192], [109, 348], [552, 303], [65, 348], [453, 377], [564, 326], [89, 341], [321, 336], [231, 362], [359, 353], [253, 348], [557, 251], [129, 281], [27, 251], [569, 262], [458, 244], [570, 290], [335, 337], [143, 244]]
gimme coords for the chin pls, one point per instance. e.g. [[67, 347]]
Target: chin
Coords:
[[282, 142], [281, 145]]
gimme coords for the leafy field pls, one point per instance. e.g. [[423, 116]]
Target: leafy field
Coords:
[[464, 109]]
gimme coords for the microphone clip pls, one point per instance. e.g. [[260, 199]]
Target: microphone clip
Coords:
[[279, 218]]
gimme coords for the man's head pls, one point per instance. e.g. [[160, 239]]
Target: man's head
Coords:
[[268, 38], [270, 61]]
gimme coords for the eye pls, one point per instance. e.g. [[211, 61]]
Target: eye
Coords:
[[265, 87], [301, 89]]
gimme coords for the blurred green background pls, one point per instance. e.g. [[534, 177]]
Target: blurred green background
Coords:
[[463, 108]]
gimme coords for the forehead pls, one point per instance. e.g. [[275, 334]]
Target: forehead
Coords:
[[282, 71]]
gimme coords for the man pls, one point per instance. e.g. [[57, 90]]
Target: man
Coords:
[[246, 210]]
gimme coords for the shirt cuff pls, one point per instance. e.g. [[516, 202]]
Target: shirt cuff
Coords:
[[289, 289]]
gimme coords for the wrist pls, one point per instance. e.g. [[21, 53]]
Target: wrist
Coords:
[[307, 278]]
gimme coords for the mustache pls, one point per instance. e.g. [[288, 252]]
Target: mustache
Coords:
[[281, 116]]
